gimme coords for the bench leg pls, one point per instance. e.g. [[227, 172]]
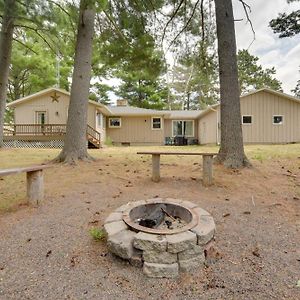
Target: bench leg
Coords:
[[207, 170], [35, 186], [155, 167]]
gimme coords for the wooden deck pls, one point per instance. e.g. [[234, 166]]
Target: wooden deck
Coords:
[[46, 132]]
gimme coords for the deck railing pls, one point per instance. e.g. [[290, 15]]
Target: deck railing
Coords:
[[34, 129], [44, 130]]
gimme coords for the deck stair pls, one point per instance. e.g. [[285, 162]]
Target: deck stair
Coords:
[[93, 137]]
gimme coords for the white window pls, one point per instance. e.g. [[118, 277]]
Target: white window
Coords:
[[156, 123], [99, 120], [247, 120], [114, 122], [182, 127], [277, 120]]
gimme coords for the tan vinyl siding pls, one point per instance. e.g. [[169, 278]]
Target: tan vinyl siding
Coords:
[[135, 130], [56, 112], [168, 127], [25, 112], [263, 106], [208, 128]]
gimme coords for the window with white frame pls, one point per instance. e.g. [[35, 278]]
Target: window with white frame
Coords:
[[114, 122], [277, 120], [247, 120], [99, 119], [183, 127], [156, 123]]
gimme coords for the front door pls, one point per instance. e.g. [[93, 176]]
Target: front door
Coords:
[[40, 119]]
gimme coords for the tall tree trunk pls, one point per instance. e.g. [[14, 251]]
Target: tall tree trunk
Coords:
[[231, 152], [75, 142], [6, 38]]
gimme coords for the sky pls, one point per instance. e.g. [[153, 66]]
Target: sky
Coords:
[[284, 53]]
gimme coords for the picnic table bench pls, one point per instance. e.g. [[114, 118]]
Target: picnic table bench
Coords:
[[207, 164], [35, 181]]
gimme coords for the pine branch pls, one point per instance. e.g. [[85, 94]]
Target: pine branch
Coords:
[[186, 25], [24, 45], [172, 17], [247, 9], [115, 26], [40, 35], [66, 12]]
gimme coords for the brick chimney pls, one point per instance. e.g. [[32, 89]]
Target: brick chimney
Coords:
[[122, 102]]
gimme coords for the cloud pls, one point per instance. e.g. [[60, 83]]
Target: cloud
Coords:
[[283, 54]]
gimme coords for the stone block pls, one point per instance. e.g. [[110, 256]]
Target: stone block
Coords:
[[189, 204], [146, 241], [114, 227], [205, 229], [136, 259], [173, 200], [123, 207], [159, 257], [191, 252], [181, 241], [121, 245], [114, 217], [200, 211], [191, 264], [160, 270]]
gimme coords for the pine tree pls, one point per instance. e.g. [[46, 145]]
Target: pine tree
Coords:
[[231, 152]]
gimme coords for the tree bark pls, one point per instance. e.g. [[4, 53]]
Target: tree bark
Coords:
[[231, 152], [75, 145], [6, 38]]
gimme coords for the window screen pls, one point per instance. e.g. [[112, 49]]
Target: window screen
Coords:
[[277, 119], [247, 119]]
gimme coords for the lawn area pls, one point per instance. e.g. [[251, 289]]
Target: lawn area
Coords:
[[12, 198], [51, 254]]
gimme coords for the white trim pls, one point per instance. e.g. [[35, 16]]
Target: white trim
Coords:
[[247, 123], [120, 121], [193, 121], [161, 123], [278, 116]]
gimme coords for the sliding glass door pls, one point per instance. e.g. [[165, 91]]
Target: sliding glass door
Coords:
[[183, 128]]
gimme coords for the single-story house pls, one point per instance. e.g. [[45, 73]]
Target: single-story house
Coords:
[[267, 117]]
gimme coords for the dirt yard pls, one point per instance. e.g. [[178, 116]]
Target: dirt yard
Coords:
[[46, 252]]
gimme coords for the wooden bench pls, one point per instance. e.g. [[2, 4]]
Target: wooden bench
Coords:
[[207, 164], [35, 181]]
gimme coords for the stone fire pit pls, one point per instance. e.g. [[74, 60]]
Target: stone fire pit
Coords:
[[164, 236]]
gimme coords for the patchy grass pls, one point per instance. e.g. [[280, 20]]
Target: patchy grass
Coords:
[[13, 188], [97, 234]]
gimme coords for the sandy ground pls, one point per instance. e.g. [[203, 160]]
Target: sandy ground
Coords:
[[46, 252]]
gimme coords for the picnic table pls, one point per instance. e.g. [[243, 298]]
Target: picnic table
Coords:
[[207, 164]]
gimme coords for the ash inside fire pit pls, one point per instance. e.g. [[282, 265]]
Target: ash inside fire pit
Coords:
[[159, 217]]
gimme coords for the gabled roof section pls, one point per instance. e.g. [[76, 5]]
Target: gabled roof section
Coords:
[[135, 111], [276, 93], [183, 114], [49, 90]]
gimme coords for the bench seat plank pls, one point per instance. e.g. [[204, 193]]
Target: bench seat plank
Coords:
[[207, 164], [6, 172], [177, 153]]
